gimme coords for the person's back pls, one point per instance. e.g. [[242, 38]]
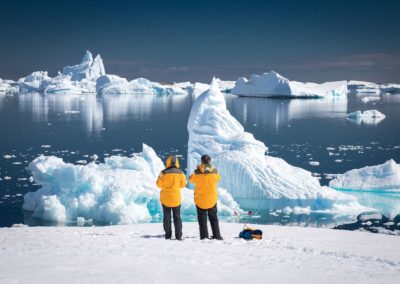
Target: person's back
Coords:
[[170, 181], [205, 178]]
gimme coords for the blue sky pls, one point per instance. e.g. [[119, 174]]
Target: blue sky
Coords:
[[195, 40]]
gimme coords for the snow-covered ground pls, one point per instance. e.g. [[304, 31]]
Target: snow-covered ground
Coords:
[[139, 254]]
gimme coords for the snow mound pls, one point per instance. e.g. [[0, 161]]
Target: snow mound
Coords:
[[254, 180], [370, 117], [89, 68], [122, 190], [272, 84]]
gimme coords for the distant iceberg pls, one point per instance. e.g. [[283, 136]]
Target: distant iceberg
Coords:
[[369, 117], [34, 82], [374, 186], [122, 190], [273, 84], [362, 87], [254, 180], [89, 68]]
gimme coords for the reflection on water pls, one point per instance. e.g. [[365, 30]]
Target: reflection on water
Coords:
[[279, 112]]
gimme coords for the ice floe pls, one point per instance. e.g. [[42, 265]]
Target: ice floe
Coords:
[[369, 117]]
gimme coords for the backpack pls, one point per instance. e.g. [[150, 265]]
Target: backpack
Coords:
[[249, 234]]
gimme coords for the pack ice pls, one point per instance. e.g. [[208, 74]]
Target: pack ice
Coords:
[[272, 84], [254, 179], [121, 190], [375, 186]]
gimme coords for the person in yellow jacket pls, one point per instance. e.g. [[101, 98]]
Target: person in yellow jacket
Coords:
[[205, 179], [170, 181]]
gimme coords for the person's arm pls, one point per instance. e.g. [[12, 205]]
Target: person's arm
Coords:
[[160, 180], [183, 181], [217, 177], [193, 178]]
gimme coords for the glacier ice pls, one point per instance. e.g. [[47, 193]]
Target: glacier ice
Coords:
[[34, 82], [255, 180], [369, 117], [121, 190], [89, 68], [272, 84], [374, 186]]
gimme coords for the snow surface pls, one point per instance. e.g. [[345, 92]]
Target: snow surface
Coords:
[[255, 181], [272, 84], [139, 254], [371, 117], [122, 190]]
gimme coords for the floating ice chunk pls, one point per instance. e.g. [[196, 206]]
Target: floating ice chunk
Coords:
[[369, 217], [374, 186], [254, 180], [94, 157], [9, 156], [370, 99], [273, 84], [369, 117], [45, 146], [385, 176], [121, 190], [80, 221], [314, 163], [7, 178]]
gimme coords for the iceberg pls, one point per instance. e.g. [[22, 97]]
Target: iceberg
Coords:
[[89, 68], [374, 186], [273, 84], [369, 117], [112, 84], [63, 84], [122, 190], [362, 87], [254, 179], [34, 82]]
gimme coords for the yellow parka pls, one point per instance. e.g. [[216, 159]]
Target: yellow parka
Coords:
[[170, 181], [205, 179]]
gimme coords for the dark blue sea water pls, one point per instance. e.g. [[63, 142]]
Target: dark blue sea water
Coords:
[[76, 127]]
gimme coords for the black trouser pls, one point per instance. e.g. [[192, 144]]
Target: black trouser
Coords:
[[176, 213], [213, 217]]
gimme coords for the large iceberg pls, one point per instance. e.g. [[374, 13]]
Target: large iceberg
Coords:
[[122, 190], [255, 180], [89, 68], [375, 186], [112, 84], [369, 117], [273, 84]]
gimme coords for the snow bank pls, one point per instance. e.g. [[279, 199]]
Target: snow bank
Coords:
[[273, 84], [374, 186], [371, 117], [254, 180], [121, 190]]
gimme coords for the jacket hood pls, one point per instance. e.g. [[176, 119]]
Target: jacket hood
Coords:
[[172, 161], [206, 167]]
